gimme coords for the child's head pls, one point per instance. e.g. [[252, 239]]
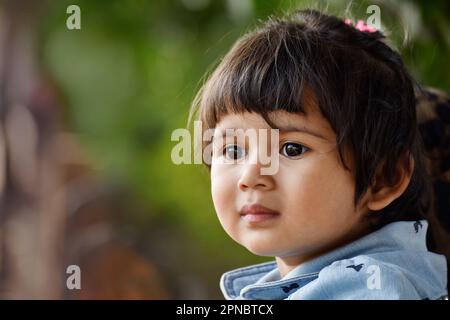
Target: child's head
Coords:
[[360, 165]]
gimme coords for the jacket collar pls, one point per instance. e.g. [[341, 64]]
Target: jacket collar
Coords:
[[263, 280]]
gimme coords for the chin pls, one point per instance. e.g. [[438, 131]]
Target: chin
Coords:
[[263, 251]]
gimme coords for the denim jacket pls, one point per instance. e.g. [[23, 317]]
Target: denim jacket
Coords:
[[390, 263]]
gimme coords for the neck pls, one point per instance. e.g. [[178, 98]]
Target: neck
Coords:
[[288, 263]]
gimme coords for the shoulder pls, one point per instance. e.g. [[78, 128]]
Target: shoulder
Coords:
[[361, 277]]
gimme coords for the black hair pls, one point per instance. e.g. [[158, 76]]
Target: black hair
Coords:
[[359, 82]]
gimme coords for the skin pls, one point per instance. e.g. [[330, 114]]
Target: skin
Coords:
[[312, 191]]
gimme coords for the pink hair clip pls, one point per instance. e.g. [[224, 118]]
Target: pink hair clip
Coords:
[[360, 25]]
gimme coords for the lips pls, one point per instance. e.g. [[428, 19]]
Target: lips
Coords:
[[255, 213]]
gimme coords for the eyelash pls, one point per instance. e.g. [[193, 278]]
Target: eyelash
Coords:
[[224, 150], [303, 149]]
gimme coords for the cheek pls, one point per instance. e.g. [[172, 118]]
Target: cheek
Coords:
[[320, 188], [224, 194], [222, 189]]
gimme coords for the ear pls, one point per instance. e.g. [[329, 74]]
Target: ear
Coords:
[[382, 193]]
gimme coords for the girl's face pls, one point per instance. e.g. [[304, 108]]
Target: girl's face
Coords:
[[305, 208]]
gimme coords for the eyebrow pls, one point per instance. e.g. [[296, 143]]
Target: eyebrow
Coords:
[[303, 129], [286, 129]]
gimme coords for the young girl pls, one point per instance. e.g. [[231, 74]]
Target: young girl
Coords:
[[343, 214]]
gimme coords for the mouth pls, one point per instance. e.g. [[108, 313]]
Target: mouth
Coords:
[[256, 213]]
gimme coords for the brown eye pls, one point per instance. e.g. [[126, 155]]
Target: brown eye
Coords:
[[291, 149], [233, 152]]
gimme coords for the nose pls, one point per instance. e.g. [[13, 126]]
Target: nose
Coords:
[[251, 178]]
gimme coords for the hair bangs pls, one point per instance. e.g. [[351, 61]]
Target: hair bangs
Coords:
[[260, 74]]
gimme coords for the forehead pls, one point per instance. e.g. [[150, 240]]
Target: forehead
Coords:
[[312, 123]]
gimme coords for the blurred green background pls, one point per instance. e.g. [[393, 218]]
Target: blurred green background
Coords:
[[126, 80]]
